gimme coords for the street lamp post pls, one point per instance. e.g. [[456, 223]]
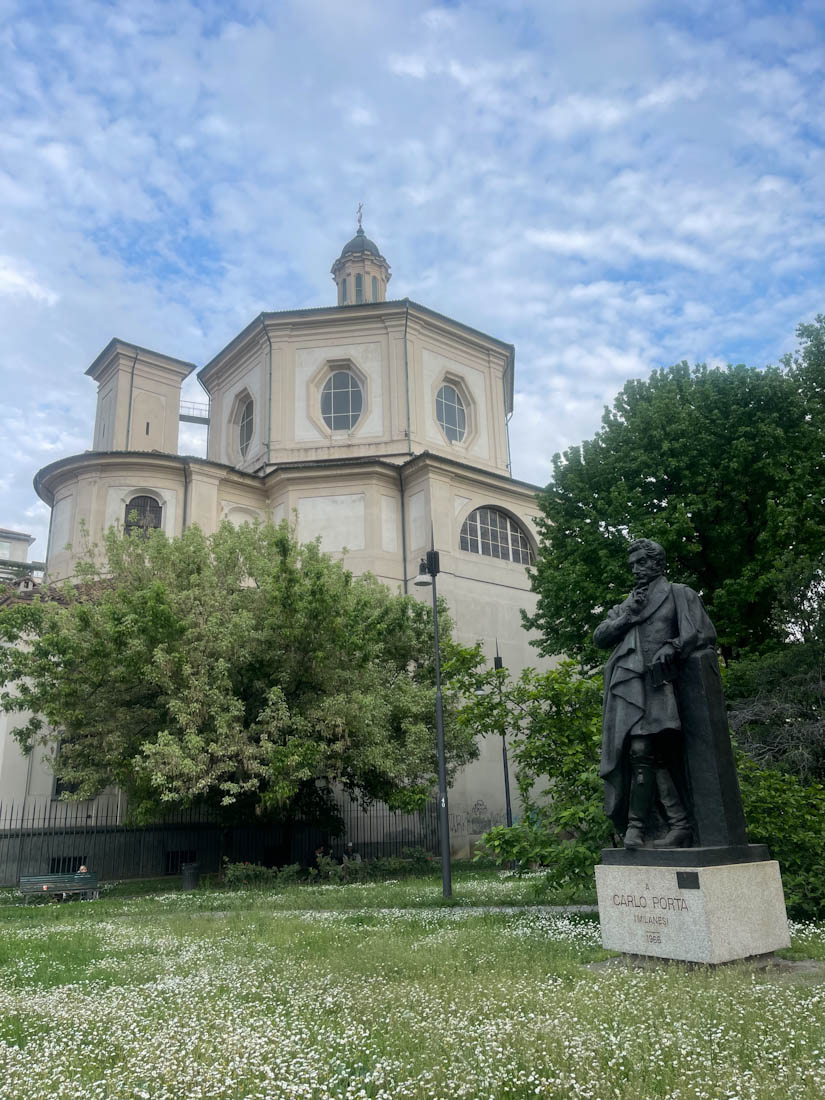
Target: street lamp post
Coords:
[[428, 570]]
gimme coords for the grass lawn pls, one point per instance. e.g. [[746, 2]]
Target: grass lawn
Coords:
[[217, 994], [472, 886]]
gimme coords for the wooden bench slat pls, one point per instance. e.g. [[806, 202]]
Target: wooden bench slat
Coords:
[[84, 876], [85, 882]]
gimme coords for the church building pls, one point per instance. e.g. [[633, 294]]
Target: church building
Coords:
[[376, 425]]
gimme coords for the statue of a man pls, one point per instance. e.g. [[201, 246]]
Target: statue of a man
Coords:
[[654, 631]]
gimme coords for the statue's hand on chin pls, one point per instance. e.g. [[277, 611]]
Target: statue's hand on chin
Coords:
[[637, 599]]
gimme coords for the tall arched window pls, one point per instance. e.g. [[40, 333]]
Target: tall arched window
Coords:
[[449, 411], [142, 514], [246, 426], [494, 534], [343, 291], [359, 288], [374, 289]]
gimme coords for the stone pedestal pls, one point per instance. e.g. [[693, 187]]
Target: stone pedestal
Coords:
[[691, 912]]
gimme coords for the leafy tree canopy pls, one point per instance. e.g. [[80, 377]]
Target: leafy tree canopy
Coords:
[[552, 722], [724, 468], [777, 708], [238, 669]]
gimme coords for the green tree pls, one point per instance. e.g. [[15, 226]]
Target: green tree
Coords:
[[776, 699], [553, 725], [723, 467], [786, 813], [239, 669]]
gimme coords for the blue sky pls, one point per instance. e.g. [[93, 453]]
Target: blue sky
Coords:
[[611, 185]]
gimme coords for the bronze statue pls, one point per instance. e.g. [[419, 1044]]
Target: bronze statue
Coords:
[[665, 747]]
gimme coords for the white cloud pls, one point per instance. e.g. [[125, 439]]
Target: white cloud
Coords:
[[16, 279], [611, 186]]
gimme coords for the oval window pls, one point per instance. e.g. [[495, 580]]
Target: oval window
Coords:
[[450, 413], [341, 401]]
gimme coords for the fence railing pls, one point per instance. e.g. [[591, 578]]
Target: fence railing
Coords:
[[52, 836], [194, 412]]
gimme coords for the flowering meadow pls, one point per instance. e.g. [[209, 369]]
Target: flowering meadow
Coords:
[[196, 995]]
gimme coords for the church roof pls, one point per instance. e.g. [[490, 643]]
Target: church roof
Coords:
[[7, 533], [360, 243], [117, 346], [350, 313]]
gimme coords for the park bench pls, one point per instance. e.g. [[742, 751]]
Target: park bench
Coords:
[[83, 882]]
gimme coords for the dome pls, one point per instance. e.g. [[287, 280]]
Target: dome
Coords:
[[360, 243]]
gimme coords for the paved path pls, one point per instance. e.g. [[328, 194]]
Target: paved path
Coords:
[[425, 910]]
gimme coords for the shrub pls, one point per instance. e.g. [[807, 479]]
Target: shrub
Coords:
[[789, 816], [521, 843], [389, 867], [418, 859], [327, 869], [413, 861], [249, 874], [238, 875], [553, 721], [290, 874]]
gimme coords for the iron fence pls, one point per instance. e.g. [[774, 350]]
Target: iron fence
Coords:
[[50, 836], [379, 831]]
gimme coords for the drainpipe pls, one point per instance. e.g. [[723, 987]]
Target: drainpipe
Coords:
[[268, 396], [403, 528], [409, 450], [407, 387], [509, 416], [27, 792], [187, 480], [131, 391]]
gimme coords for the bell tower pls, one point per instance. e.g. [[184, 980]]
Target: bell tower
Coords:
[[138, 398], [361, 273]]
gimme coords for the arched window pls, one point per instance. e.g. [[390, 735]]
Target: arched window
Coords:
[[343, 291], [494, 534], [449, 410], [142, 514], [341, 401], [246, 426], [374, 289], [359, 288]]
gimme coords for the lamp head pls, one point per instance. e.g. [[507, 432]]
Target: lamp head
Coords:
[[423, 580]]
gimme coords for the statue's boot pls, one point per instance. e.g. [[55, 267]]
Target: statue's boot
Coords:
[[642, 793], [679, 833]]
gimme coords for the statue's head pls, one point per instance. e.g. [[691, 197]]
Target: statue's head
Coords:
[[646, 560]]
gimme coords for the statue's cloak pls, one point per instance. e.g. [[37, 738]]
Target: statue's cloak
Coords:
[[629, 703]]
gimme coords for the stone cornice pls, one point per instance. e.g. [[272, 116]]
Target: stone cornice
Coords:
[[117, 347], [45, 481]]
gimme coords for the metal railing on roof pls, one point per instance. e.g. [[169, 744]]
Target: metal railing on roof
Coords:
[[194, 413]]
